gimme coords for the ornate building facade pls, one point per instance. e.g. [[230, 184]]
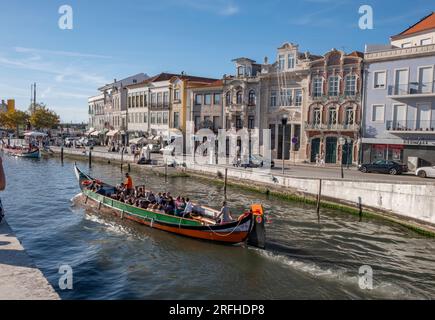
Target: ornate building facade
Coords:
[[333, 114], [285, 93]]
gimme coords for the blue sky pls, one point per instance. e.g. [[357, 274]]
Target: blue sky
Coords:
[[114, 39]]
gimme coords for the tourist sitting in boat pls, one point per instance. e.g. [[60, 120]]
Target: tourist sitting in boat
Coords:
[[151, 197], [170, 206], [140, 192], [180, 205], [225, 214]]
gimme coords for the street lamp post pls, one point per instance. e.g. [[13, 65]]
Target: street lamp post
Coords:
[[348, 154], [126, 116], [342, 142], [284, 124]]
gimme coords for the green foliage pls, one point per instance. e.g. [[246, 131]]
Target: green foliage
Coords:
[[13, 119], [43, 118]]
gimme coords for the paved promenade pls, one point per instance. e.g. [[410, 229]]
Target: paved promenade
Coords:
[[19, 277], [296, 170]]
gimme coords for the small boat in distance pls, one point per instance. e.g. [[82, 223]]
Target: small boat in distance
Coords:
[[249, 227], [23, 152]]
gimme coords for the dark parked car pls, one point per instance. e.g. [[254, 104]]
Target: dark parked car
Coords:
[[255, 161], [384, 166]]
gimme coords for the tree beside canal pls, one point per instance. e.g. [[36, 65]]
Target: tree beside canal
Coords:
[[43, 118], [14, 119]]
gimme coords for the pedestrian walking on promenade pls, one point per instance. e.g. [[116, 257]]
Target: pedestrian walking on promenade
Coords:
[[322, 159]]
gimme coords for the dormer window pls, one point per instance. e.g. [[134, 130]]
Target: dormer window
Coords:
[[281, 62], [177, 94], [291, 61], [241, 71], [248, 71]]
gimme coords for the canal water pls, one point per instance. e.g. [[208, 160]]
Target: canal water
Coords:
[[304, 259]]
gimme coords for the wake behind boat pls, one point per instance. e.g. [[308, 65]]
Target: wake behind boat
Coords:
[[201, 224]]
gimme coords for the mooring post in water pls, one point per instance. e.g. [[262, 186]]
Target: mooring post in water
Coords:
[[61, 154], [225, 184], [90, 158], [122, 159], [319, 197], [129, 168], [166, 172], [360, 209]]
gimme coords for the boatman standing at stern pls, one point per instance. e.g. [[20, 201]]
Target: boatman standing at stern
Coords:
[[225, 214], [128, 183]]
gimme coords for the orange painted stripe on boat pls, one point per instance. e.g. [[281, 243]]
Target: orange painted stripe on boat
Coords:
[[235, 237]]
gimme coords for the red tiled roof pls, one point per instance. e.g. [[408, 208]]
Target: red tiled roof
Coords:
[[216, 83], [356, 54], [427, 23]]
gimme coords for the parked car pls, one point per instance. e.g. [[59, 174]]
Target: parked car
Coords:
[[384, 166], [71, 141], [86, 142], [154, 148], [426, 172], [255, 161]]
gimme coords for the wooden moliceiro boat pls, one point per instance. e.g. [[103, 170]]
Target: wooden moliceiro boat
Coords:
[[24, 153], [249, 227]]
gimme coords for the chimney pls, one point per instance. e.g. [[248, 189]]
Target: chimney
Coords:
[[266, 60]]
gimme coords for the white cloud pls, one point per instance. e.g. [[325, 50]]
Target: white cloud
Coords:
[[63, 78], [220, 7], [61, 73], [60, 53], [230, 10]]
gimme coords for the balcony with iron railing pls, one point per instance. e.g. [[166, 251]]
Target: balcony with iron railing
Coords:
[[313, 126], [347, 95], [411, 126], [412, 89], [159, 106]]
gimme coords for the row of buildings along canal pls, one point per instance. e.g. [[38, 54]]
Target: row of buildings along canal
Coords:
[[342, 107]]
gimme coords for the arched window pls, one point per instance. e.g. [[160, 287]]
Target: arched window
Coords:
[[332, 116], [317, 116], [239, 97], [252, 98], [349, 116], [228, 98]]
